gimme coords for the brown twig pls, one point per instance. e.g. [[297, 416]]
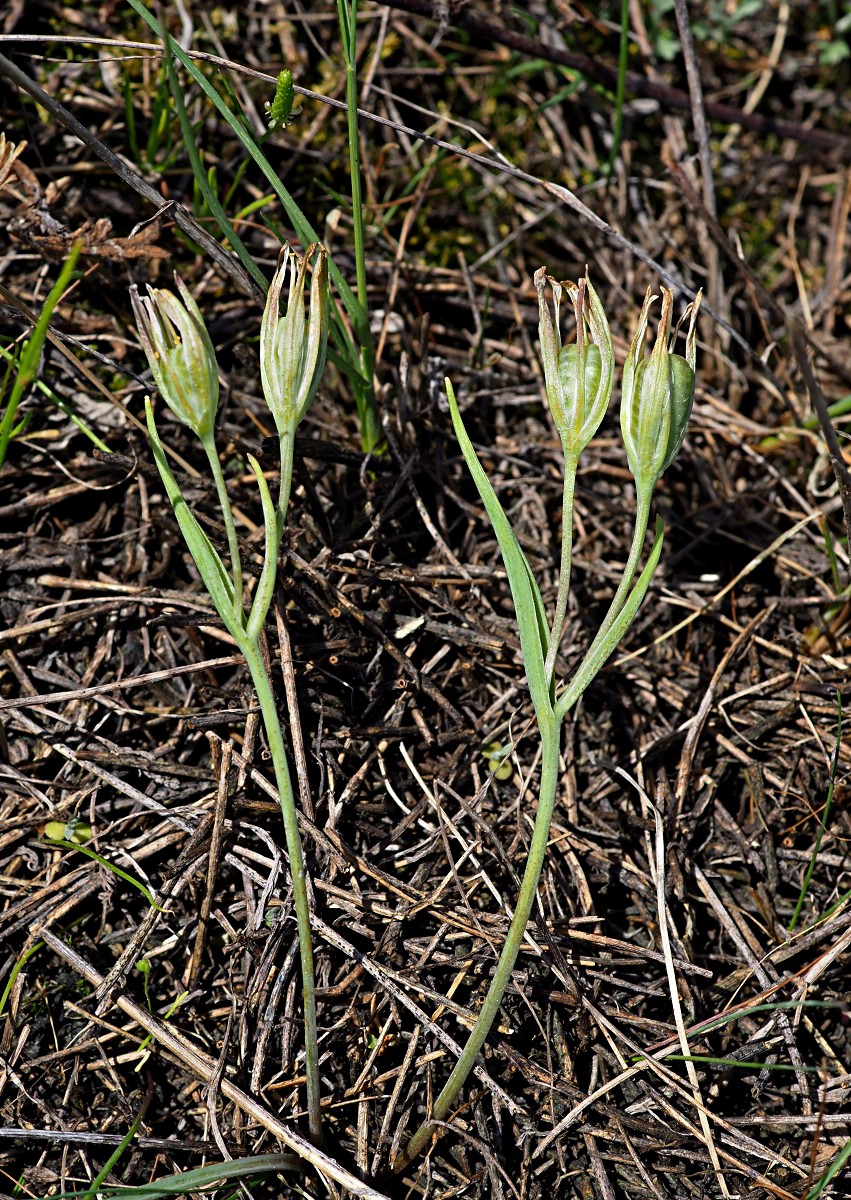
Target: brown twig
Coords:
[[182, 218], [798, 339]]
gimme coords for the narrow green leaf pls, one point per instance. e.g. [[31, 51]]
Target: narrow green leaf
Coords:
[[528, 605], [832, 1171], [266, 583], [184, 1182], [210, 566], [202, 178]]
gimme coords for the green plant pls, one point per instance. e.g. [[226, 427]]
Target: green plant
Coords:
[[183, 363], [716, 24], [657, 398]]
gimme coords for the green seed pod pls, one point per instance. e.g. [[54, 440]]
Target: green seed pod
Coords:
[[293, 346], [180, 354], [657, 394], [579, 377], [682, 394]]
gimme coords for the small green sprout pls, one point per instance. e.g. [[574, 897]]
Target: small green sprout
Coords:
[[74, 830], [498, 759]]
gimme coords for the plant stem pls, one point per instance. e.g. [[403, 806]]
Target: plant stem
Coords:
[[274, 734], [209, 445], [570, 465], [370, 429], [642, 518], [550, 740], [620, 93], [286, 450]]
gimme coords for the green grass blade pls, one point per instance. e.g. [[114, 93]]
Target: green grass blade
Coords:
[[201, 178], [95, 1185], [104, 862], [30, 358], [201, 1177], [15, 972], [831, 1172], [300, 223]]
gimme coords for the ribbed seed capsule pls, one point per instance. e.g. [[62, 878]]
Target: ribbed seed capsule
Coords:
[[578, 377], [293, 346], [180, 354], [657, 393]]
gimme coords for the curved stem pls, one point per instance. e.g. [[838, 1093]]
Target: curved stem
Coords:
[[570, 464], [549, 729], [642, 517], [209, 445], [272, 722]]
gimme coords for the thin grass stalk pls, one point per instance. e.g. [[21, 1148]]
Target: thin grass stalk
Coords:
[[27, 370], [191, 146], [550, 729], [274, 734], [370, 431], [620, 92]]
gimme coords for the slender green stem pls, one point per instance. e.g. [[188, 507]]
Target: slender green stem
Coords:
[[287, 449], [30, 357], [348, 25], [549, 729], [190, 142], [272, 723], [570, 465], [347, 14], [209, 445], [642, 518], [620, 93]]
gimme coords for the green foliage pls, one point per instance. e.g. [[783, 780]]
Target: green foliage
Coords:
[[833, 41], [716, 24], [23, 370], [355, 336]]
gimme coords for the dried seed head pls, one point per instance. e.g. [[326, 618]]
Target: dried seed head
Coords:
[[9, 151]]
